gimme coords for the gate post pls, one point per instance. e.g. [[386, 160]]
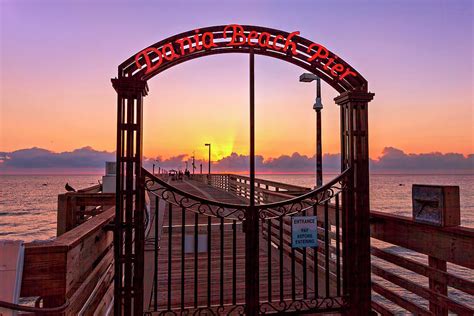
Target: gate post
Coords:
[[252, 281], [355, 154], [129, 224]]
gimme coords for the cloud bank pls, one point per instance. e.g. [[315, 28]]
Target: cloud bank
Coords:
[[89, 160]]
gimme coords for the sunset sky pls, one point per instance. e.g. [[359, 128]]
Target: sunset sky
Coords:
[[57, 59]]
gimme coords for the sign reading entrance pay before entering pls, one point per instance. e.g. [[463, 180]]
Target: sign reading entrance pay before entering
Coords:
[[304, 231]]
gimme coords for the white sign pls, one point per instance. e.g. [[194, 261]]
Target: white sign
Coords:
[[304, 231]]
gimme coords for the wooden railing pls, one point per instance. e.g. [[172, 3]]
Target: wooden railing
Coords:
[[441, 246], [76, 269], [74, 208], [429, 284], [240, 185]]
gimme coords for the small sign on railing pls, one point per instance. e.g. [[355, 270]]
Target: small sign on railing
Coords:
[[304, 231], [437, 205]]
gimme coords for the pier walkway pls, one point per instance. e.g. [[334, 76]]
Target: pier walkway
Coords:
[[189, 279], [416, 267]]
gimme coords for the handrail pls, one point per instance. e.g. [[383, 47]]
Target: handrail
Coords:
[[305, 196], [297, 199], [172, 188], [275, 184], [36, 310]]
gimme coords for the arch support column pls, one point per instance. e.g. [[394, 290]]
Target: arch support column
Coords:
[[355, 154], [129, 206]]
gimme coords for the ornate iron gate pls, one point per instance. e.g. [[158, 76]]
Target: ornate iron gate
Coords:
[[200, 264]]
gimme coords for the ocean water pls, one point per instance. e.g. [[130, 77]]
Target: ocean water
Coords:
[[28, 212], [392, 193], [28, 204]]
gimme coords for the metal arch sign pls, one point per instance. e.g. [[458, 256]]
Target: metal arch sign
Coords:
[[238, 38]]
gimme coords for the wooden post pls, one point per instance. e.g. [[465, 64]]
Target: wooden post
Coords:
[[438, 287], [355, 154], [66, 216]]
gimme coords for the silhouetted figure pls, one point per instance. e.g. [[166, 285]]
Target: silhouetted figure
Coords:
[[69, 188]]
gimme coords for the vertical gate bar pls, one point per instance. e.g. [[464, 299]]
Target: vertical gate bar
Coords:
[[281, 259], [344, 203], [155, 289], [208, 261], [234, 262], [196, 220], [350, 244], [118, 231], [305, 283], [252, 280], [183, 233], [315, 257], [338, 251], [170, 229], [222, 264], [327, 241], [139, 218], [343, 233], [293, 276], [269, 267], [127, 308]]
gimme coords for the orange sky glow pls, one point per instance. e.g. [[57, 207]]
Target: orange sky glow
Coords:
[[58, 98]]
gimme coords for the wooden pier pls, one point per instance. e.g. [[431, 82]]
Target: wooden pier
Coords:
[[73, 274]]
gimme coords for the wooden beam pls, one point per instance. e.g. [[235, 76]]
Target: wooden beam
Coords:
[[441, 301], [427, 271], [452, 244], [399, 300]]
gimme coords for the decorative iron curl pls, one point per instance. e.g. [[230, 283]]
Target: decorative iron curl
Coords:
[[208, 207], [306, 305], [188, 201], [306, 201], [238, 309]]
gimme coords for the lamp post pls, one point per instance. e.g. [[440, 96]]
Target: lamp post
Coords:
[[194, 166], [209, 168], [317, 106]]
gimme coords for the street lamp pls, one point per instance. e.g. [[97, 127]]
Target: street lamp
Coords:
[[209, 169], [194, 166], [317, 106]]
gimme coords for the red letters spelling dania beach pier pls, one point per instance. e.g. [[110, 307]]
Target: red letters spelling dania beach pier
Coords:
[[234, 35]]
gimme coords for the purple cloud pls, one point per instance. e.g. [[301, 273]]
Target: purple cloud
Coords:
[[38, 158], [395, 159], [89, 159]]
